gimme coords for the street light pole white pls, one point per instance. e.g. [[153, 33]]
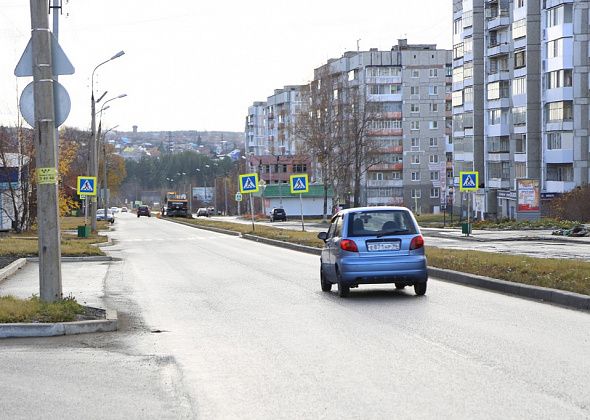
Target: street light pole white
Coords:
[[105, 196], [93, 147]]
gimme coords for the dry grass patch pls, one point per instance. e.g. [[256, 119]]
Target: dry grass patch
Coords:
[[35, 310], [562, 274], [71, 245]]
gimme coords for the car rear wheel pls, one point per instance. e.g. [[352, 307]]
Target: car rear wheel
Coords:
[[326, 285], [343, 289], [399, 286], [420, 288]]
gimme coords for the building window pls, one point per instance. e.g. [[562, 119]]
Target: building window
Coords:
[[558, 78], [458, 74], [415, 73], [415, 159], [385, 125], [561, 173], [498, 90], [559, 111], [458, 50], [433, 90], [553, 141], [519, 29], [468, 46], [520, 143], [495, 116], [519, 115], [519, 59], [415, 125], [520, 3], [457, 98], [433, 158], [468, 70], [559, 15], [433, 107], [414, 90], [519, 169], [414, 108], [435, 192], [458, 26], [383, 71], [434, 175], [433, 125], [467, 18], [387, 89], [300, 167], [433, 142], [555, 48], [433, 73], [415, 143], [519, 86], [416, 193], [468, 95], [415, 176]]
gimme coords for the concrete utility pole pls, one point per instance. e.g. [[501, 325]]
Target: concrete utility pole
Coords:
[[46, 155]]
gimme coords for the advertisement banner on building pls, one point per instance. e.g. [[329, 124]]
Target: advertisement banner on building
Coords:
[[529, 195]]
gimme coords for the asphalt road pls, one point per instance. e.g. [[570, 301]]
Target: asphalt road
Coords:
[[215, 326]]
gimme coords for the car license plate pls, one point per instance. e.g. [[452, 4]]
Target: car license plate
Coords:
[[383, 246]]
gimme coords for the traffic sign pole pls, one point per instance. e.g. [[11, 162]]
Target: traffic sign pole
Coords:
[[301, 206], [252, 212]]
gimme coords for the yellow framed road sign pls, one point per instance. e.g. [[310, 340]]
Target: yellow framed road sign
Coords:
[[299, 184], [468, 181], [248, 183], [86, 185]]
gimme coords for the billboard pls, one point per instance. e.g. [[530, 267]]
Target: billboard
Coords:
[[529, 195]]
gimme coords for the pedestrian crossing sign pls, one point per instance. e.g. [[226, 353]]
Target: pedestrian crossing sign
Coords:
[[469, 181], [299, 184], [86, 185], [248, 183]]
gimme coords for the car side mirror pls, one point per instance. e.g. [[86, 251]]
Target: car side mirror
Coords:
[[323, 236]]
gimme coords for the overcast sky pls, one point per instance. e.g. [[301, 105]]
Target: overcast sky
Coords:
[[198, 65]]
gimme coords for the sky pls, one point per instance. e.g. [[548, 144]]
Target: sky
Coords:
[[198, 65]]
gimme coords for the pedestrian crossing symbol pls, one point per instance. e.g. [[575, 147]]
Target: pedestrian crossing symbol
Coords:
[[248, 183], [299, 184], [86, 185], [469, 181]]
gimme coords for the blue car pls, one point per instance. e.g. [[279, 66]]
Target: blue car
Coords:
[[373, 245]]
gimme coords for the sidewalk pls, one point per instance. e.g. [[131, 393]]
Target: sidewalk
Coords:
[[503, 235]]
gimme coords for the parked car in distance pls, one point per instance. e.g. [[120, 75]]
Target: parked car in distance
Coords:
[[124, 210], [144, 211], [203, 212], [101, 216], [373, 245], [115, 210], [278, 214]]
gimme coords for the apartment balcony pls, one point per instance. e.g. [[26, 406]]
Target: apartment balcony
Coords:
[[559, 186], [388, 167], [498, 49], [381, 80], [565, 30], [559, 94], [385, 183], [498, 103], [498, 156], [270, 116], [394, 97], [393, 149], [386, 132], [559, 126], [497, 75], [498, 21], [559, 156], [499, 183], [388, 116], [497, 130], [557, 63]]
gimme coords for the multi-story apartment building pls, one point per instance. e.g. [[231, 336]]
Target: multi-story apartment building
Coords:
[[515, 97], [272, 149], [407, 90]]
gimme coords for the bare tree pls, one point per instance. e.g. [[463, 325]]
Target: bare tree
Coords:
[[316, 128], [16, 170]]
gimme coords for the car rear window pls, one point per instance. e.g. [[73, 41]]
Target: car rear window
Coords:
[[373, 223]]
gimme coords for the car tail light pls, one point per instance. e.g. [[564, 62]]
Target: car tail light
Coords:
[[417, 242], [348, 245]]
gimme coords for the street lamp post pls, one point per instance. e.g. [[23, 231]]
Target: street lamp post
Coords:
[[105, 197], [93, 152]]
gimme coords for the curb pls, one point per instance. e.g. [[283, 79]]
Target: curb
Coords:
[[110, 323], [89, 258], [283, 244], [543, 294], [210, 228], [12, 268]]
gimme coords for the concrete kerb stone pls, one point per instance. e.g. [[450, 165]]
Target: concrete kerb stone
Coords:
[[283, 244], [12, 268], [110, 323], [21, 330], [544, 294], [209, 228]]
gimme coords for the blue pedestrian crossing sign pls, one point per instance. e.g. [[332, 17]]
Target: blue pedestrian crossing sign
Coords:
[[86, 185], [469, 181], [248, 183], [299, 184]]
